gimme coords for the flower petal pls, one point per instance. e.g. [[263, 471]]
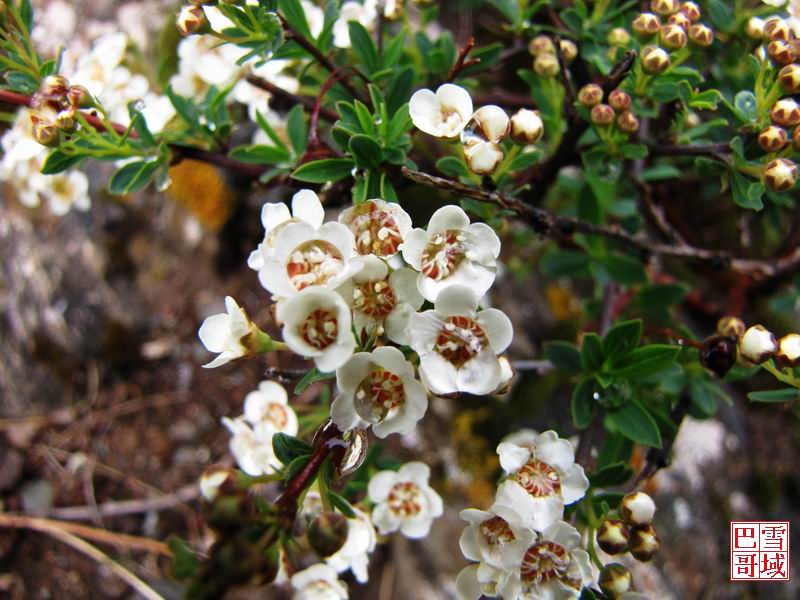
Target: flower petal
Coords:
[[448, 217], [307, 207], [497, 327]]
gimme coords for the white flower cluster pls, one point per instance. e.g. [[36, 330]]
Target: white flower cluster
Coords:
[[448, 113], [522, 547]]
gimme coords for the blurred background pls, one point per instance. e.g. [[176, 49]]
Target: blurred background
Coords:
[[107, 419]]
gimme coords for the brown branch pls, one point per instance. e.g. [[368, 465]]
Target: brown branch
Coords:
[[547, 223], [127, 507], [307, 101], [563, 74], [712, 150], [462, 62], [504, 99]]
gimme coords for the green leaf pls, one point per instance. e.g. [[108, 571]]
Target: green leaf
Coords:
[[324, 171], [645, 361], [184, 562], [636, 424], [296, 17], [617, 448], [703, 403], [565, 356], [614, 474], [288, 448], [313, 376], [745, 193], [133, 176], [583, 403], [342, 505], [622, 338], [560, 263], [633, 151], [58, 162], [525, 160], [784, 395], [260, 154], [363, 46], [297, 465], [627, 270], [297, 130], [366, 151], [745, 102], [509, 9], [452, 166], [592, 353]]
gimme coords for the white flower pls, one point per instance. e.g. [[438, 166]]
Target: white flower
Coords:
[[452, 251], [305, 256], [316, 324], [157, 112], [470, 586], [542, 477], [306, 207], [270, 404], [443, 114], [252, 446], [526, 126], [381, 299], [553, 567], [458, 345], [315, 17], [404, 501], [226, 333], [352, 11], [318, 582], [379, 227], [354, 555], [757, 344], [378, 389]]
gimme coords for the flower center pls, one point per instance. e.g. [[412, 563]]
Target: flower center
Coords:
[[276, 414], [374, 298], [450, 120], [544, 561], [380, 393], [320, 329], [405, 500], [443, 254], [315, 262], [459, 340], [497, 532], [320, 589], [375, 230], [539, 479]]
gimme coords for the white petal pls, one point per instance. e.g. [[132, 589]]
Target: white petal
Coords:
[[454, 97], [512, 457], [415, 472], [413, 246], [457, 301], [416, 528], [335, 355], [467, 585], [438, 374], [273, 214], [350, 375], [380, 485], [404, 285], [391, 359], [214, 332], [424, 109], [373, 269], [307, 207], [555, 451], [480, 375], [448, 217], [574, 484], [423, 329], [497, 327], [485, 237], [384, 519], [343, 413]]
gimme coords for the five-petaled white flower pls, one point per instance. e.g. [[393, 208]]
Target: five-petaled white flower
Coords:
[[404, 501], [252, 446], [318, 582], [317, 324], [378, 389], [458, 345], [380, 299], [443, 114], [228, 334], [554, 566], [360, 542], [379, 227], [452, 251], [542, 477], [306, 207], [269, 403]]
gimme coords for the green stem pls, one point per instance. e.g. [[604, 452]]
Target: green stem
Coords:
[[782, 376]]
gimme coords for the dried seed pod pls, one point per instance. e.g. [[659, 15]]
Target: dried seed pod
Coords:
[[780, 175], [789, 76], [603, 115], [644, 542], [628, 122], [615, 580], [731, 327], [620, 101], [637, 508], [757, 345], [655, 60], [646, 25], [590, 95], [718, 354], [788, 354], [526, 127], [541, 44], [785, 112], [673, 37], [612, 536], [701, 35], [773, 138]]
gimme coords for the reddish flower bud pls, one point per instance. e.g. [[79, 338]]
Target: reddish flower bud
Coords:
[[789, 77], [615, 580], [618, 37], [780, 52], [644, 542], [691, 10], [541, 44], [776, 28], [526, 126], [590, 95], [681, 20], [673, 37], [569, 51], [773, 138], [780, 175], [646, 25], [602, 115], [654, 60], [628, 122], [788, 354], [546, 65], [612, 536], [619, 100], [701, 35], [757, 344], [731, 327], [785, 112], [665, 7]]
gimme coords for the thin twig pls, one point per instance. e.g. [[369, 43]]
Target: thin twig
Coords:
[[381, 7], [462, 62], [566, 83], [712, 150], [127, 507]]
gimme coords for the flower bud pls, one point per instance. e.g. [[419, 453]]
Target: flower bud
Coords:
[[731, 327], [490, 122], [644, 542], [628, 122], [780, 52], [789, 77], [785, 112], [788, 354], [46, 134], [780, 175], [55, 86], [216, 479], [80, 97], [569, 51], [615, 580], [619, 100], [546, 65], [612, 536], [654, 60], [637, 508], [776, 28], [65, 120], [618, 36], [757, 345], [673, 37], [691, 10], [681, 20], [665, 7], [755, 28], [773, 138], [602, 115], [540, 45], [646, 25], [230, 513], [483, 157], [327, 533], [191, 20], [590, 95], [701, 35], [718, 354], [526, 127]]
